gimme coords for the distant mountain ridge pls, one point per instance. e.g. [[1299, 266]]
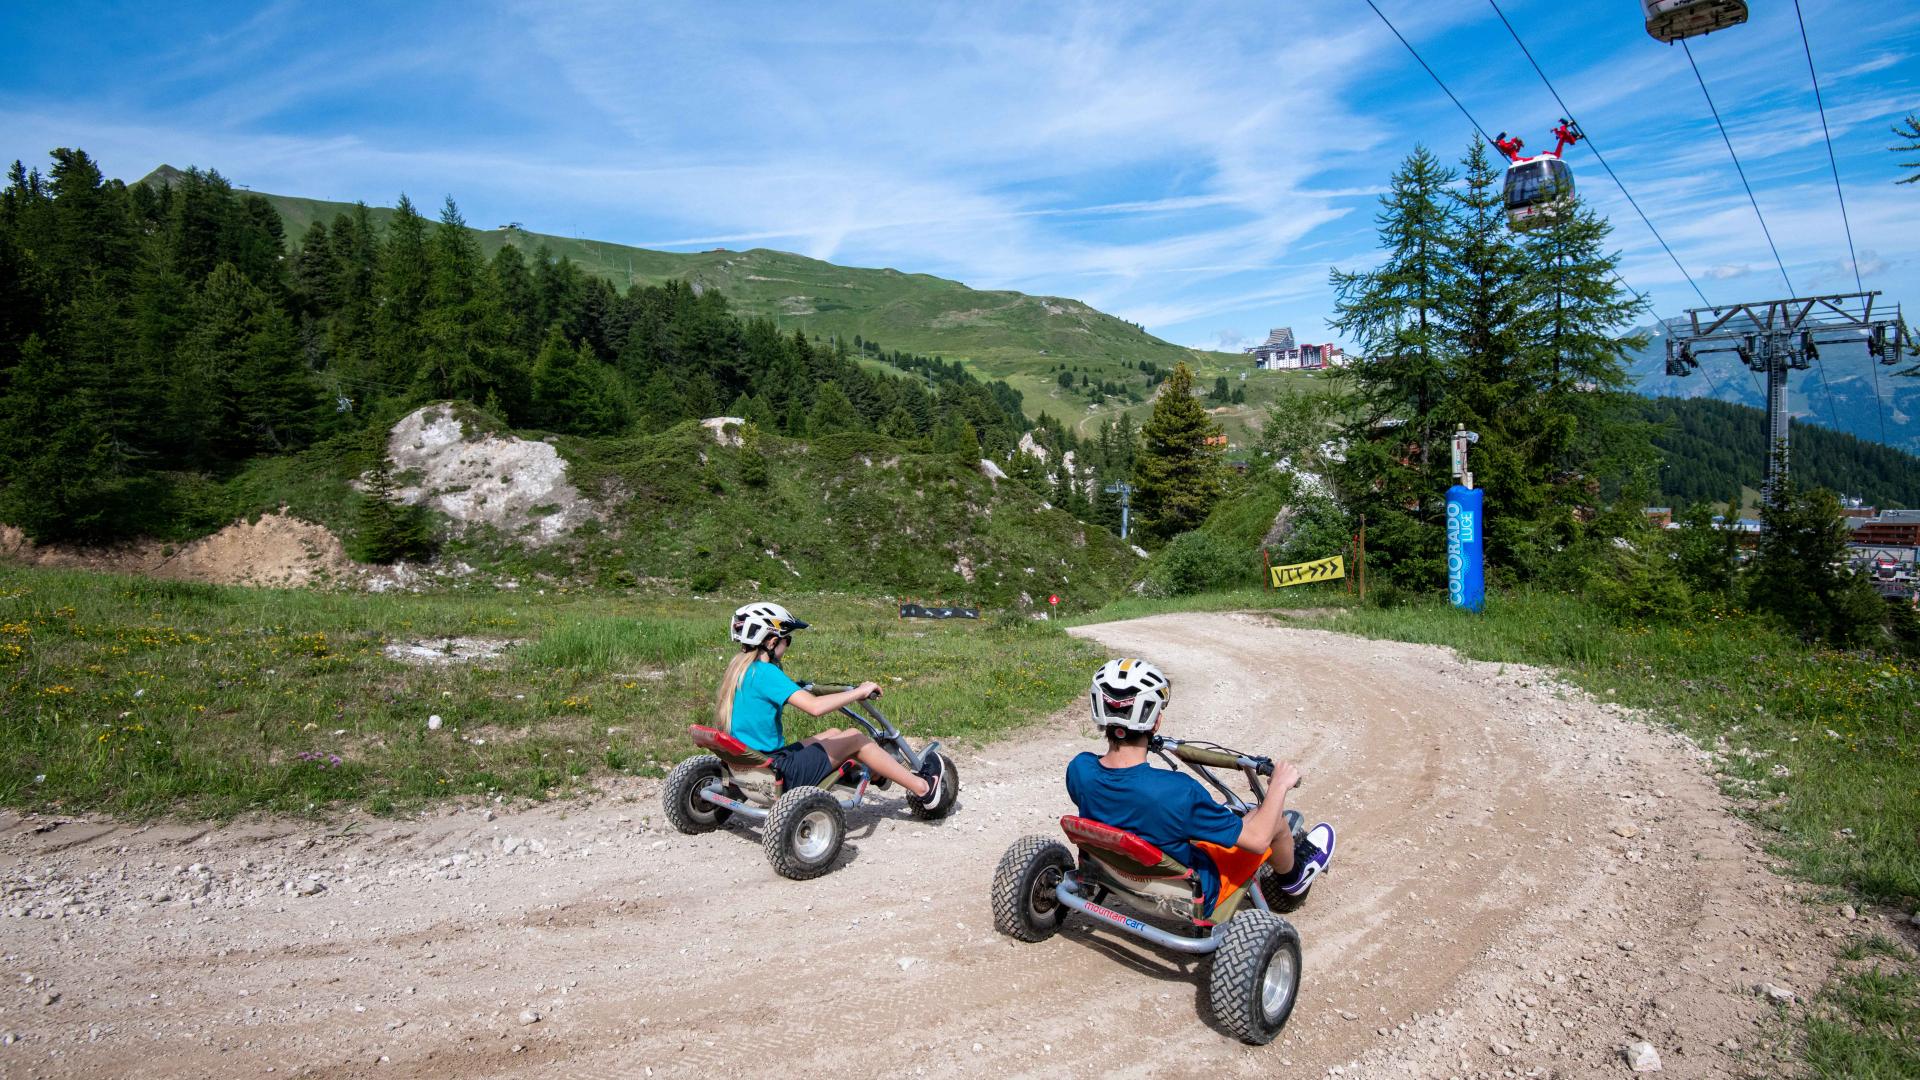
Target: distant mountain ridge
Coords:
[[1838, 393]]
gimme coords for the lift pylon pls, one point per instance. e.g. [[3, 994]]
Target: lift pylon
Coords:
[[1775, 336]]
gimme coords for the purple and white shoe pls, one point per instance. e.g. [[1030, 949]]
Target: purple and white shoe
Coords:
[[1311, 855]]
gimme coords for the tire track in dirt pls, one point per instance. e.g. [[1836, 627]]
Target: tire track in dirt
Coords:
[[1482, 914]]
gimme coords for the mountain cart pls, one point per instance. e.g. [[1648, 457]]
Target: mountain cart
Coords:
[[1254, 976], [802, 827]]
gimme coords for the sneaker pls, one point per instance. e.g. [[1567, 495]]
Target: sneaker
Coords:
[[1310, 856], [936, 777]]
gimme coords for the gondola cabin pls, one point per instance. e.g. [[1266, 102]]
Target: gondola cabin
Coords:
[[1536, 191], [1672, 20]]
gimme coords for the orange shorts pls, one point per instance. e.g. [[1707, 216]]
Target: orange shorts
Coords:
[[1237, 866]]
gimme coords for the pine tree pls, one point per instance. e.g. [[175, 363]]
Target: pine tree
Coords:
[[573, 392], [386, 529], [832, 412], [466, 333], [405, 276], [1799, 571], [60, 468], [1392, 314], [1908, 129], [1177, 474]]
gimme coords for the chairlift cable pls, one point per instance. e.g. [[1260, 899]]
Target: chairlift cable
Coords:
[[1715, 386], [1834, 164], [1826, 390], [1597, 156], [1737, 167], [1436, 78]]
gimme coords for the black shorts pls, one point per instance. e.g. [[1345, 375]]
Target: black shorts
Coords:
[[801, 764]]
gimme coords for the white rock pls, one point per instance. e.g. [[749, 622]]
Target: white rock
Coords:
[[1779, 995], [1643, 1058], [1847, 912], [528, 1016], [906, 962], [433, 722]]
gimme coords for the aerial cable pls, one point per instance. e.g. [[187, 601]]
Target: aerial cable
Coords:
[[1711, 107], [1826, 389], [1588, 139], [1834, 163], [1483, 134], [1430, 71]]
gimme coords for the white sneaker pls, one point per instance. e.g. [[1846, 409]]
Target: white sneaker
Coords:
[[1310, 854]]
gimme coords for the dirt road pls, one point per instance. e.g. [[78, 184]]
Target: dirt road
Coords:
[[1527, 881]]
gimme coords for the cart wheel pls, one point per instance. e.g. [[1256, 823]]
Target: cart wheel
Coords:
[[1024, 903], [949, 793], [685, 808], [805, 829], [1255, 976], [1278, 899]]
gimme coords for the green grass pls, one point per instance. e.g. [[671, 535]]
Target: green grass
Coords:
[[140, 697]]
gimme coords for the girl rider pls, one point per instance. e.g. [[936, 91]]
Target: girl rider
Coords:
[[754, 689]]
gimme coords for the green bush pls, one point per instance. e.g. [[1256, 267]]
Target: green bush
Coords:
[[1199, 561]]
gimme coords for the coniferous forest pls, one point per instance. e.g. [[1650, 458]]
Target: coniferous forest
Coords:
[[155, 335]]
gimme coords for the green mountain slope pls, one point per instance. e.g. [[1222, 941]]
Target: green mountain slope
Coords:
[[1712, 449], [1000, 334]]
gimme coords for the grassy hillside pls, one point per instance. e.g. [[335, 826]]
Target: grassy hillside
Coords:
[[859, 513], [144, 697], [999, 334]]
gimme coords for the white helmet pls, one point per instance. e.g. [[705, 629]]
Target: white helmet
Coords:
[[1129, 693], [754, 623]]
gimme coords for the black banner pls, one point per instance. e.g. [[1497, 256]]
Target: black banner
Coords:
[[921, 611]]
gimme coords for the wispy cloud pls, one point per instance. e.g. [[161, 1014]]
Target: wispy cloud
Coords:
[[1193, 168]]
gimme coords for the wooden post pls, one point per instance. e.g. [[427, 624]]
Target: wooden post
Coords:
[[1363, 558], [1266, 561]]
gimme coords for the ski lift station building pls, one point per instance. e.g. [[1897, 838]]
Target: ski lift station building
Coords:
[[1280, 353]]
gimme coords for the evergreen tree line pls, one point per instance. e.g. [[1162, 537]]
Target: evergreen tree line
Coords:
[[1710, 449], [155, 332]]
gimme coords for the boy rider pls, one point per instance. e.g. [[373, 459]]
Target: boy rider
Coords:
[[1171, 810]]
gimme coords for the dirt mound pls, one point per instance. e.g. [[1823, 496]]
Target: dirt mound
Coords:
[[511, 484], [278, 550]]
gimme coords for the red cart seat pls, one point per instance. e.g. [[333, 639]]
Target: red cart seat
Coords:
[[1122, 850], [735, 753]]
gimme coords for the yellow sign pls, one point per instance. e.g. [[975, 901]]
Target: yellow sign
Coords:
[[1332, 569]]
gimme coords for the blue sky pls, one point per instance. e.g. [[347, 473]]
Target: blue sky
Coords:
[[1193, 167]]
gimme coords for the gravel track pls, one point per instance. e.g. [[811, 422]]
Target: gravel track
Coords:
[[1527, 882]]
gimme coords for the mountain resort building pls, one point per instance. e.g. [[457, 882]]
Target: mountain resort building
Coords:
[[1281, 353]]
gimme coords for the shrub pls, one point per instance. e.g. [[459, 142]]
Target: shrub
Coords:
[[1199, 561]]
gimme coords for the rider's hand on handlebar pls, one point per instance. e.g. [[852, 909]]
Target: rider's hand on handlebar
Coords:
[[1286, 776], [868, 691]]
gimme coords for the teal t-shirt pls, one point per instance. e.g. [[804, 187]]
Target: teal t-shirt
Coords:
[[756, 706]]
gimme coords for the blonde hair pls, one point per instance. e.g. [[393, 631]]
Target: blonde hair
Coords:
[[730, 685]]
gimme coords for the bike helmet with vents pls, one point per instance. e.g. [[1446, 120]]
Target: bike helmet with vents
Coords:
[[1129, 694], [754, 623]]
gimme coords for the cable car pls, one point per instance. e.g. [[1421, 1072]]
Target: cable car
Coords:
[[1537, 188], [1672, 20]]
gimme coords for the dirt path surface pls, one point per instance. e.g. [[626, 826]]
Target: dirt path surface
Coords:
[[1527, 882]]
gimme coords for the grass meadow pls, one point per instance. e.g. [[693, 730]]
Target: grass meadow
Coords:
[[143, 697]]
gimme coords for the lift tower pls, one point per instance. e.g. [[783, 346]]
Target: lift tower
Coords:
[[1775, 336]]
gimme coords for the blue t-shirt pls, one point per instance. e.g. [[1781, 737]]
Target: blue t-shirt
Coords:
[[756, 706], [1167, 809]]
